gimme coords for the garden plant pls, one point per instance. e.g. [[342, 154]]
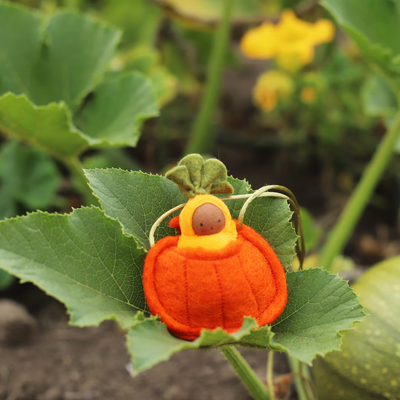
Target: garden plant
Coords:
[[66, 94]]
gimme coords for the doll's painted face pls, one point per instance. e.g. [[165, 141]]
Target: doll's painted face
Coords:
[[208, 219]]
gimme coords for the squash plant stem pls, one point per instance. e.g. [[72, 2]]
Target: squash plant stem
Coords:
[[270, 375], [202, 138], [253, 383], [340, 234], [303, 390]]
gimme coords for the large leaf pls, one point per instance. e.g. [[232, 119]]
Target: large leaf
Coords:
[[149, 341], [138, 200], [320, 305], [82, 259], [58, 61], [111, 118], [271, 218], [116, 109], [49, 127], [146, 59], [375, 27], [28, 176]]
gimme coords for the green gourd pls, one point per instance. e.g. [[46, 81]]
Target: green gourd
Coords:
[[368, 366]]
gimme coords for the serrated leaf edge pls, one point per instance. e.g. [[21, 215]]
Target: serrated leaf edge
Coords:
[[340, 331], [48, 292]]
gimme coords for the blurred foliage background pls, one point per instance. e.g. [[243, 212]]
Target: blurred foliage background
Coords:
[[311, 128], [315, 131]]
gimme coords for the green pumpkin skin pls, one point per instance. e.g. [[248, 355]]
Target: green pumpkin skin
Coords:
[[368, 367]]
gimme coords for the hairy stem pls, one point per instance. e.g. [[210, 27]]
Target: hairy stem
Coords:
[[298, 368], [202, 138], [249, 378], [270, 377], [340, 234]]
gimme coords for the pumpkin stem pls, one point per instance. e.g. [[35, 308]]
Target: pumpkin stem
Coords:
[[195, 176]]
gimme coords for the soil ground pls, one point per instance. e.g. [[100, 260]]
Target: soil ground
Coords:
[[69, 363]]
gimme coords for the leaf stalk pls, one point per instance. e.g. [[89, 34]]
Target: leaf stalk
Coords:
[[351, 214], [202, 138], [249, 378], [299, 369], [270, 376]]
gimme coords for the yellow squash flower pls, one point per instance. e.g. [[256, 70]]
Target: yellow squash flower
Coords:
[[291, 41], [271, 87]]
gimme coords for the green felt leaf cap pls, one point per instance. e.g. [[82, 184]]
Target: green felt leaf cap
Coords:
[[195, 176]]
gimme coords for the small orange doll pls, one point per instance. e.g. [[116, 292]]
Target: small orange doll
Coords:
[[212, 274]]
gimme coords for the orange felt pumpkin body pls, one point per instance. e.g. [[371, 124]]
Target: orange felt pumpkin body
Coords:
[[195, 288]]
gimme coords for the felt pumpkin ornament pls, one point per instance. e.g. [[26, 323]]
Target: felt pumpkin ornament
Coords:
[[217, 270]]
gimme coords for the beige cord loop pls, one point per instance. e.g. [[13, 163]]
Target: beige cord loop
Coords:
[[258, 193], [159, 220], [249, 197], [300, 245]]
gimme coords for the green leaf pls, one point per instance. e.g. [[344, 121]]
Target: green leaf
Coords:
[[112, 118], [271, 218], [149, 341], [319, 306], [82, 259], [5, 279], [239, 187], [138, 200], [146, 60], [61, 60], [28, 175], [117, 108], [49, 127], [375, 28]]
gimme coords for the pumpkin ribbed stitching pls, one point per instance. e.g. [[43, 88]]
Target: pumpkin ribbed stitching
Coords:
[[276, 289], [248, 282], [155, 288], [187, 295], [222, 296], [272, 272]]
